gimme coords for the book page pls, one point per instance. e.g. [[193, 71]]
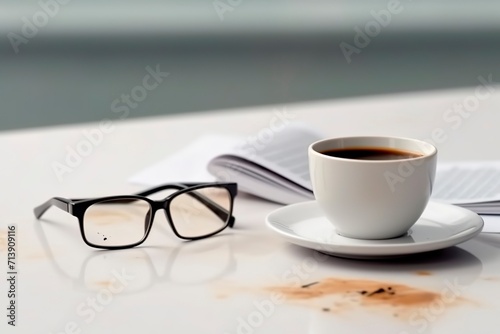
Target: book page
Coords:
[[467, 182], [285, 153]]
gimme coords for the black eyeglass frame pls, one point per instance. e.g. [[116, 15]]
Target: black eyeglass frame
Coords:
[[77, 208]]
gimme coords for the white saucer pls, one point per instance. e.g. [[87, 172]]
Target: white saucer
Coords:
[[440, 226]]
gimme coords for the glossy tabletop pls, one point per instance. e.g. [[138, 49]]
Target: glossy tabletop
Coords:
[[247, 279]]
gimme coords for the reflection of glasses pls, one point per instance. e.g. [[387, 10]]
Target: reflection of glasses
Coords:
[[194, 211], [211, 259]]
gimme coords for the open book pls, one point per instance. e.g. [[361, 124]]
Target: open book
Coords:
[[274, 166], [472, 185]]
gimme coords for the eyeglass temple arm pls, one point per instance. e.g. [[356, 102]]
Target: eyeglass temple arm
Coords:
[[214, 207], [61, 203], [64, 203]]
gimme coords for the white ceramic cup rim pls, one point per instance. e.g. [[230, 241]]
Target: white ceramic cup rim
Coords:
[[424, 148]]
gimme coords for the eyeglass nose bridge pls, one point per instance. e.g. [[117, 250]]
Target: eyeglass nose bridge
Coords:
[[150, 215]]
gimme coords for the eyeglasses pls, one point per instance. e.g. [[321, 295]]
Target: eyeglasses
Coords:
[[193, 210]]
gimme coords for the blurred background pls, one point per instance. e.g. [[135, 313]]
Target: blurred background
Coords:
[[78, 61]]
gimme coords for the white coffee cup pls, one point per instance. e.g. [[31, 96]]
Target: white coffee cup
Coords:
[[372, 199]]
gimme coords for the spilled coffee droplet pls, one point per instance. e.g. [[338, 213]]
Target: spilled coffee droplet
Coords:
[[379, 290], [308, 285], [103, 236]]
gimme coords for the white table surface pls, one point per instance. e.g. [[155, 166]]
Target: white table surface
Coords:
[[222, 284]]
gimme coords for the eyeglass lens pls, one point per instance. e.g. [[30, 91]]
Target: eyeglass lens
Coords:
[[200, 212], [116, 222]]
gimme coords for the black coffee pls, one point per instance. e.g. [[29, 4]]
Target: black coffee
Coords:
[[371, 153]]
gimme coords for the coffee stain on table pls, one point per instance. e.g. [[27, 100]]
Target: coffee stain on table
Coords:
[[369, 292], [336, 295], [492, 278], [423, 273], [3, 240], [26, 254], [103, 284], [221, 296]]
